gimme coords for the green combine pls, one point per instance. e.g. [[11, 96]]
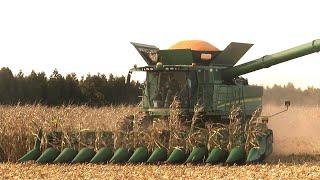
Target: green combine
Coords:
[[195, 108]]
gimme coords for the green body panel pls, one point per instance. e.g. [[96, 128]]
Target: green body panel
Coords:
[[176, 57], [210, 90], [247, 97]]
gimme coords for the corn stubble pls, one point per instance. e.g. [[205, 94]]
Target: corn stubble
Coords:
[[283, 170], [296, 145]]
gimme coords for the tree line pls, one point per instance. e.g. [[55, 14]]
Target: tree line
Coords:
[[278, 94], [99, 90], [93, 90]]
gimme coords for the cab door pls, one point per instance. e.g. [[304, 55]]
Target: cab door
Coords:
[[205, 88]]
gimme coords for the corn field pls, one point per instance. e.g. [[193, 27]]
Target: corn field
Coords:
[[19, 124]]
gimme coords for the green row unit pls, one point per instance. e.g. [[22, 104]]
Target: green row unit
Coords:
[[141, 154]]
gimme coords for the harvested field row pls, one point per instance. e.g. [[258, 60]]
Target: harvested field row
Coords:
[[286, 167]]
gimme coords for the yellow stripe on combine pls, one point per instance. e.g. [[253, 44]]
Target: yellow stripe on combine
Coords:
[[247, 100]]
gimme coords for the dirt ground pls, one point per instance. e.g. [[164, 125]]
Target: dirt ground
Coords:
[[296, 131], [276, 167]]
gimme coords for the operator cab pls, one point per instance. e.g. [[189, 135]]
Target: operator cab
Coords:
[[165, 86]]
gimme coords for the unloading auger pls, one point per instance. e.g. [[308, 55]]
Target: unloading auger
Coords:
[[211, 115]]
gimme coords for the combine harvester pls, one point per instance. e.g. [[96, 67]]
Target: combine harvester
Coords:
[[193, 90]]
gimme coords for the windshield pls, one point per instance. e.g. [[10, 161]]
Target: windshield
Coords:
[[167, 85]]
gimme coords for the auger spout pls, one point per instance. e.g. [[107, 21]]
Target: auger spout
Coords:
[[273, 59]]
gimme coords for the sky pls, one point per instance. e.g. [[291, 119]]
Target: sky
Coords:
[[93, 36]]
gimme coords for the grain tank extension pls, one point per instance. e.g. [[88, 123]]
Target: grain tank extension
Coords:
[[208, 113]]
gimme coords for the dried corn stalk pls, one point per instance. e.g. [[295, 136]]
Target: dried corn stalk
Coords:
[[254, 129], [218, 136], [236, 129], [177, 132], [197, 135]]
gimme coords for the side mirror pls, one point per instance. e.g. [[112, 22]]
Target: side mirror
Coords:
[[287, 104], [128, 80]]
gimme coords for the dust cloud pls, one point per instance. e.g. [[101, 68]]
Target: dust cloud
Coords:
[[296, 131]]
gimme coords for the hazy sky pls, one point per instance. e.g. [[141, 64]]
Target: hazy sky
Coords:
[[93, 36]]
